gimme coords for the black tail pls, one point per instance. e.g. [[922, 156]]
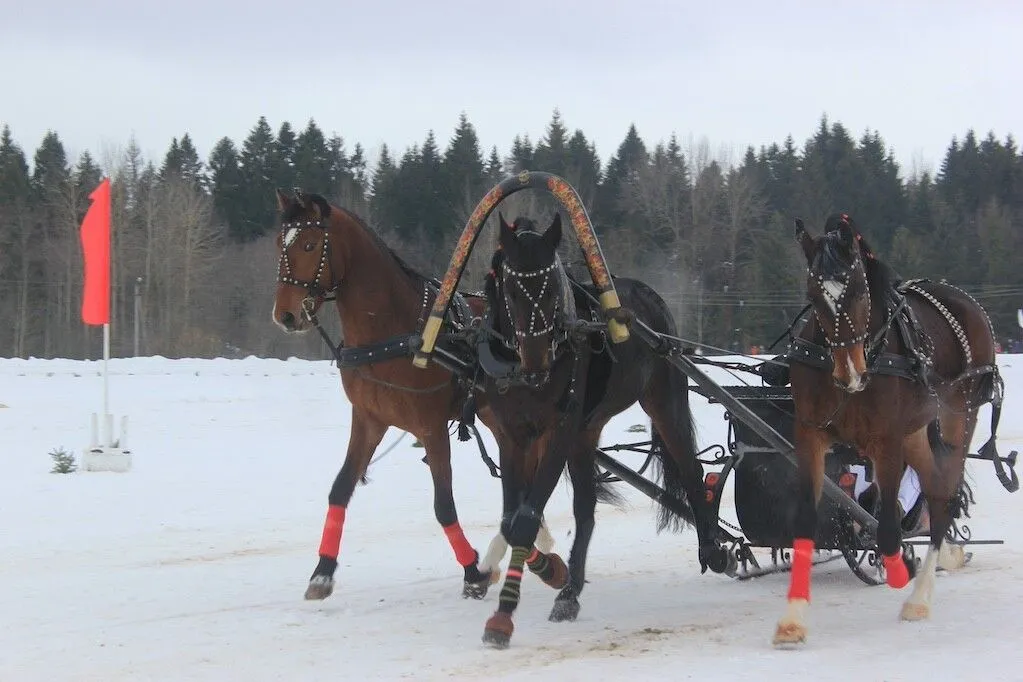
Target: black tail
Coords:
[[605, 492], [678, 514], [959, 506]]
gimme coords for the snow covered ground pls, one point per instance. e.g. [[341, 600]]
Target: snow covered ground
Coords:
[[192, 566]]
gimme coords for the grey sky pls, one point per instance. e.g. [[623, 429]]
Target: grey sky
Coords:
[[384, 71]]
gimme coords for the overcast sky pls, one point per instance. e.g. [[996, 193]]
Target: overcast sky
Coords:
[[380, 71]]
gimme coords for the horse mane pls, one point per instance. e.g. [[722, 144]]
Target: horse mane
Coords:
[[295, 210]]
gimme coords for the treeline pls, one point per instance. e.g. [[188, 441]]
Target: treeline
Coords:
[[713, 234]]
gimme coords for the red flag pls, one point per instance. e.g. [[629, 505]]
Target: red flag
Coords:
[[96, 250]]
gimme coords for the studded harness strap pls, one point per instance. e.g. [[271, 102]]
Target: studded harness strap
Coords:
[[841, 309]]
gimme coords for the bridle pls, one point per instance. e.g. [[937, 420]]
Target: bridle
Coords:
[[540, 322], [536, 314], [317, 291], [840, 305]]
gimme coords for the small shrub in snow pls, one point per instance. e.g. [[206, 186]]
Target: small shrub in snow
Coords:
[[63, 461]]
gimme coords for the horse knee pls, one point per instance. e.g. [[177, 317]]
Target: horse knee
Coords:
[[444, 510], [520, 529]]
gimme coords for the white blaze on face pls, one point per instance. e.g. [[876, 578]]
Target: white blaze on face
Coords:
[[834, 289], [855, 380], [290, 236]]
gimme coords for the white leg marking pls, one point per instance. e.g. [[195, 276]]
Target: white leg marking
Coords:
[[544, 540], [918, 605], [792, 626], [952, 556], [495, 553]]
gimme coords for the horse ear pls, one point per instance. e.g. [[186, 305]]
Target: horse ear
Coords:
[[507, 231], [804, 239], [283, 200], [552, 237], [846, 231]]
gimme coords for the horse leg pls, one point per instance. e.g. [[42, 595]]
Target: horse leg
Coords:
[[889, 458], [522, 525], [366, 434], [810, 445], [499, 546], [584, 504], [499, 627], [438, 456], [939, 465]]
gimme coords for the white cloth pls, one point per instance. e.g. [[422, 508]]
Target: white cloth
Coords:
[[909, 487]]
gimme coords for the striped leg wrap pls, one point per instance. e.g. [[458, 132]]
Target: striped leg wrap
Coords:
[[541, 564], [509, 598]]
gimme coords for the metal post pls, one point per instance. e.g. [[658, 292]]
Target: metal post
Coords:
[[138, 309]]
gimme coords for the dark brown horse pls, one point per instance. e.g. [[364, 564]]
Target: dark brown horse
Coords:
[[899, 370], [330, 253], [553, 385]]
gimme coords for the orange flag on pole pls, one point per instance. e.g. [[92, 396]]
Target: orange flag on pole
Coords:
[[96, 251]]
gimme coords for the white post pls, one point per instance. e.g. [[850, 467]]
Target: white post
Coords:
[[108, 436]]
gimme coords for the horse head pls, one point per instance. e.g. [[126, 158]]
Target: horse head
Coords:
[[532, 295], [836, 285], [306, 272]]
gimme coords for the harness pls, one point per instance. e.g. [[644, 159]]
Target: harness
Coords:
[[318, 292], [917, 363], [459, 321]]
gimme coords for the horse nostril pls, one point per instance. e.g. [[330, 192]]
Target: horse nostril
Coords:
[[288, 320]]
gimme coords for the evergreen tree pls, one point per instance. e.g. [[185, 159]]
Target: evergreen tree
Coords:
[[495, 167], [282, 157], [551, 152], [226, 187], [257, 209], [464, 179], [312, 161]]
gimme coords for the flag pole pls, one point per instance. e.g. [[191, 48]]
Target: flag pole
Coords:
[[102, 454], [107, 419]]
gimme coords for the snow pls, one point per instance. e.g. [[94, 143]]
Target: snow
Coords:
[[193, 565]]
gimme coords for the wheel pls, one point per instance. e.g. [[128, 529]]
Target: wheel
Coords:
[[865, 565]]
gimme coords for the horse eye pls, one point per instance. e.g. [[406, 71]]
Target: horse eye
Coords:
[[309, 246]]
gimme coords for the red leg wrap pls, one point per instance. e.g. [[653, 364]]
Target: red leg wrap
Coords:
[[330, 542], [464, 553], [897, 575], [799, 586]]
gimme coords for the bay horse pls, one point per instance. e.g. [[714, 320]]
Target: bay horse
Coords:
[[897, 369], [553, 385], [329, 253]]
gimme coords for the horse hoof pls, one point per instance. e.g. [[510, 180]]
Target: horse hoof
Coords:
[[952, 557], [564, 609], [498, 631], [320, 587], [789, 634], [915, 612], [475, 590], [555, 573]]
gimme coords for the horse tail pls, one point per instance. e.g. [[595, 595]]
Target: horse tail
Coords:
[[677, 513], [960, 503], [606, 493]]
